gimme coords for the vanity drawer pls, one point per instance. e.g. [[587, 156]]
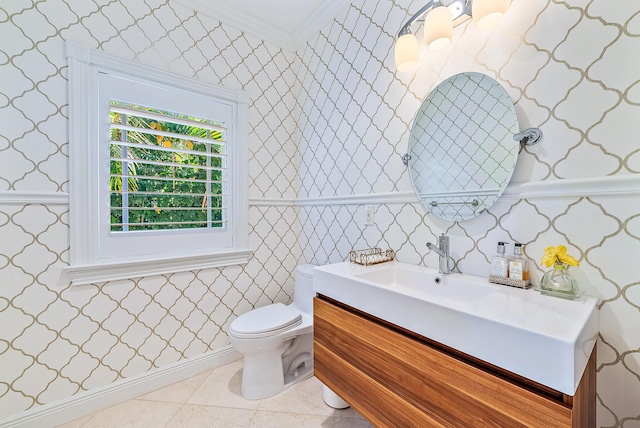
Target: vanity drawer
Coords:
[[395, 379]]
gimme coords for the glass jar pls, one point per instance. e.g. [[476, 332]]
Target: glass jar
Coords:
[[560, 283]]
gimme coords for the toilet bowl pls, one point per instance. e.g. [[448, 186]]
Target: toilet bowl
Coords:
[[277, 341]]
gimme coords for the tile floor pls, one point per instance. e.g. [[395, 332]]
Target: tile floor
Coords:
[[213, 399]]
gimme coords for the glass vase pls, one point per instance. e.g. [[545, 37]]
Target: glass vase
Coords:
[[560, 283]]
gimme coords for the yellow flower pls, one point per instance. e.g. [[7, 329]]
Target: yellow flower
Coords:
[[553, 255], [549, 256]]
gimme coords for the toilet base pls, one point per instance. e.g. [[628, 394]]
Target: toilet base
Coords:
[[267, 374], [261, 377], [297, 362]]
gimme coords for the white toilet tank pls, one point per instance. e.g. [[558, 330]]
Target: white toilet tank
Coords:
[[303, 293]]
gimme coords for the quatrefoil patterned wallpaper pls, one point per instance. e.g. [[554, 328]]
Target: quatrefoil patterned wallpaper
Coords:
[[328, 124]]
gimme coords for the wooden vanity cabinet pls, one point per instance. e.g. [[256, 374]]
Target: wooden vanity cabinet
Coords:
[[396, 378]]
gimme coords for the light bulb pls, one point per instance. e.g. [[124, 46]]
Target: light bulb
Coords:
[[406, 53], [438, 27], [488, 14]]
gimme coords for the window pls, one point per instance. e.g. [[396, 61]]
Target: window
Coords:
[[157, 170], [167, 170]]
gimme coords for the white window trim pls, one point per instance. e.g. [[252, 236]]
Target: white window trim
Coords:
[[85, 265]]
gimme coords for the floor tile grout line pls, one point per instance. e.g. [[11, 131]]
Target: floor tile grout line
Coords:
[[255, 413], [168, 424]]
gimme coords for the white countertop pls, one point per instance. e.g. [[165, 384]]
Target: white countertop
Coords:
[[545, 339]]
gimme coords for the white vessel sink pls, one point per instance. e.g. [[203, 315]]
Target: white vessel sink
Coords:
[[542, 338], [428, 283]]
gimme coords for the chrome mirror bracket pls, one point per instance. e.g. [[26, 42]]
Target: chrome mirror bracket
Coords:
[[405, 159], [529, 137]]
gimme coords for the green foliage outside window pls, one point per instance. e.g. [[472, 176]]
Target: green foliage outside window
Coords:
[[171, 183]]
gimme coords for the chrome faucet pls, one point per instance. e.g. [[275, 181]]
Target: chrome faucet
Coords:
[[443, 251]]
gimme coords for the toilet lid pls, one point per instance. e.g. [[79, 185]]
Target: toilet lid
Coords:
[[266, 321]]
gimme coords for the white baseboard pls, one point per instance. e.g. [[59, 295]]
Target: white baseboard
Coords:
[[91, 401]]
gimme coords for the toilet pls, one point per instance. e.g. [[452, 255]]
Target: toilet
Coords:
[[277, 341]]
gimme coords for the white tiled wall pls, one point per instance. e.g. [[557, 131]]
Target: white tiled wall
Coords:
[[329, 120], [570, 69], [57, 340]]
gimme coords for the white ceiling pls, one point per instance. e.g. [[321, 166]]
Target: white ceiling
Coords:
[[289, 24]]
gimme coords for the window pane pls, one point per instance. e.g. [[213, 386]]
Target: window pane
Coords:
[[167, 170]]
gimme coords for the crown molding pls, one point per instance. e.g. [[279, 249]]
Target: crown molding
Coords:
[[291, 41], [318, 20]]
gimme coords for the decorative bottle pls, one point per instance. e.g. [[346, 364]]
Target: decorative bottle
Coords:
[[499, 263], [560, 283], [518, 266]]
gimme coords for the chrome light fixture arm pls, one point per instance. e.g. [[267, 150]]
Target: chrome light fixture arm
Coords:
[[405, 28], [458, 8]]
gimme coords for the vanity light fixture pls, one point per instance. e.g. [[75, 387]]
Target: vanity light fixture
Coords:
[[438, 22]]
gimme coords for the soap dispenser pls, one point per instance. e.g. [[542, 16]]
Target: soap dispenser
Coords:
[[518, 266], [499, 262]]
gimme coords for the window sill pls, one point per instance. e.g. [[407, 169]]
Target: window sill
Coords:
[[103, 272]]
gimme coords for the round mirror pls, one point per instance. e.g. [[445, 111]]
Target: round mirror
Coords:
[[461, 147]]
